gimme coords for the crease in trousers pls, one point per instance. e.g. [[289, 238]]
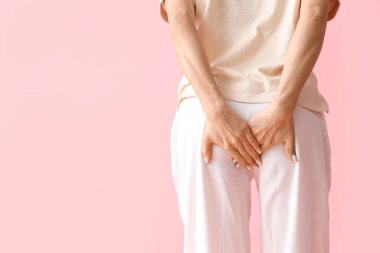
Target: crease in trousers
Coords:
[[214, 199]]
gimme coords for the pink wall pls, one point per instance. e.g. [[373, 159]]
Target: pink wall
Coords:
[[87, 95]]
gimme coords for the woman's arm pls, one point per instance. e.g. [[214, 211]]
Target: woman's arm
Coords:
[[274, 124], [223, 126], [303, 51], [191, 55]]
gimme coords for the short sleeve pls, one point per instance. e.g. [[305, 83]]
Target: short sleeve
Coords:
[[163, 13]]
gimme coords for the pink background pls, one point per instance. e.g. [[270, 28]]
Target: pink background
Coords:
[[87, 96]]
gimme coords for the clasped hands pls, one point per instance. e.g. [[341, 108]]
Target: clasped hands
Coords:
[[246, 141]]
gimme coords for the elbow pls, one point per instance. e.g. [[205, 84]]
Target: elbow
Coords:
[[181, 18], [319, 14], [315, 13], [315, 18], [181, 25]]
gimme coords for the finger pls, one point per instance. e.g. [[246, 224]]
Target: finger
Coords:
[[248, 160], [207, 149], [237, 165], [237, 157], [253, 141], [290, 150], [290, 147], [252, 152]]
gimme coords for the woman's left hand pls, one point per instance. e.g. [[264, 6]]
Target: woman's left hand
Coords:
[[274, 125]]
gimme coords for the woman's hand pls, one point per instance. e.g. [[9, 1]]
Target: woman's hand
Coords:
[[274, 125], [232, 133]]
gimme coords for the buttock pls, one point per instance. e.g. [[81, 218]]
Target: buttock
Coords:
[[214, 198], [310, 126]]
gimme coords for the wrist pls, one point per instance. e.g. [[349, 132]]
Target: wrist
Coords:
[[282, 107], [215, 107]]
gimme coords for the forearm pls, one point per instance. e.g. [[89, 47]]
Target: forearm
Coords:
[[303, 52], [195, 65]]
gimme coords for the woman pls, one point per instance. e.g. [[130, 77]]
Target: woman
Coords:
[[249, 88]]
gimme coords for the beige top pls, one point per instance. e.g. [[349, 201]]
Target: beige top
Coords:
[[246, 42]]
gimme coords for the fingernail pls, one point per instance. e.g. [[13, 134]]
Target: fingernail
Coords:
[[206, 159], [294, 157], [250, 167], [255, 166], [237, 165], [259, 162]]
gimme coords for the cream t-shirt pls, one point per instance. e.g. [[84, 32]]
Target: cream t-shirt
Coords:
[[246, 43]]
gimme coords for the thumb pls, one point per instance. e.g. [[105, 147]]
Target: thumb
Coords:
[[207, 149], [290, 148]]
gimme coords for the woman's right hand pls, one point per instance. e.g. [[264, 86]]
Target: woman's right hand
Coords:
[[231, 132]]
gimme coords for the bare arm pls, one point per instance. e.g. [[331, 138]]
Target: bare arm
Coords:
[[191, 54], [304, 49], [223, 126], [274, 124]]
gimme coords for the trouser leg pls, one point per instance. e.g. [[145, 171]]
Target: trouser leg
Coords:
[[294, 196], [214, 199]]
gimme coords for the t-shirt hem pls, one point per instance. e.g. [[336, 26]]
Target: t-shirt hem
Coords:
[[257, 98]]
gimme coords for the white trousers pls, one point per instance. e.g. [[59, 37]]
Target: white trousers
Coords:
[[215, 199]]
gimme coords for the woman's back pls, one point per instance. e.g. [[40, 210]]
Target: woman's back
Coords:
[[246, 42]]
